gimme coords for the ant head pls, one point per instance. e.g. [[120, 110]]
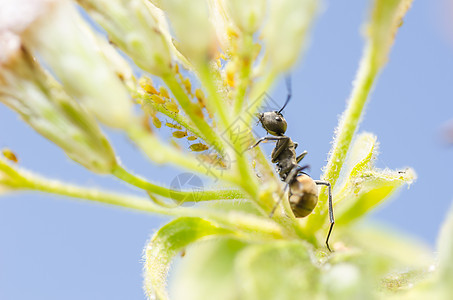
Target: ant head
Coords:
[[273, 122]]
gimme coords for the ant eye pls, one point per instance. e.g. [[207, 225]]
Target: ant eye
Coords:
[[278, 119]]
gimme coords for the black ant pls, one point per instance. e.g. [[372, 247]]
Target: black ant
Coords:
[[303, 191]]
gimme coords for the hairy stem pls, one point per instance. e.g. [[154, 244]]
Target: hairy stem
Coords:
[[347, 127], [233, 220], [176, 195], [219, 105], [244, 76]]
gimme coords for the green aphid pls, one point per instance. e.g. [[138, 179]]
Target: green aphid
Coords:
[[175, 126], [198, 147], [179, 134]]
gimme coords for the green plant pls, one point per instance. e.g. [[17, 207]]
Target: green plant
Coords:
[[212, 73]]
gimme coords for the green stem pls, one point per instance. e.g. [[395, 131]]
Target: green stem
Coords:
[[235, 220], [347, 127], [219, 105], [127, 201], [351, 118], [246, 57], [139, 182]]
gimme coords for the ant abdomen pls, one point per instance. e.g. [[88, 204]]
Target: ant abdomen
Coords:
[[303, 195]]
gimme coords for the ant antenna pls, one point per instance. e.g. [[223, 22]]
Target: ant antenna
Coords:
[[288, 88]]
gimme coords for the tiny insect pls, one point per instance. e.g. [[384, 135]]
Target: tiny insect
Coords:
[[171, 125], [198, 147], [303, 191], [8, 154], [156, 122], [164, 92], [157, 99], [179, 134], [171, 106]]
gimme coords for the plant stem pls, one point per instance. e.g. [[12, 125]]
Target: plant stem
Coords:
[[237, 220], [246, 56], [139, 182], [218, 104], [347, 127], [351, 117]]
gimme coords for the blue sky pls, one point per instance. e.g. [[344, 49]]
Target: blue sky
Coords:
[[55, 248]]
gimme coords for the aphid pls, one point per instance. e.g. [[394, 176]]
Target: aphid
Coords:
[[164, 92], [198, 111], [198, 147], [179, 134], [230, 74], [200, 97], [157, 99], [175, 126], [303, 191], [8, 154], [156, 122], [214, 160], [147, 85], [171, 106], [192, 138], [188, 85]]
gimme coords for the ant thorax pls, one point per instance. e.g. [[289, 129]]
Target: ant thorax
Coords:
[[286, 158]]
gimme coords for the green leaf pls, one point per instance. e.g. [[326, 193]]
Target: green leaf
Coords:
[[208, 271], [366, 190], [401, 249], [278, 270], [360, 156], [364, 186], [166, 243]]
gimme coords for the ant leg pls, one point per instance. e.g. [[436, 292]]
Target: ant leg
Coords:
[[288, 179], [279, 148], [266, 138], [332, 220], [300, 157]]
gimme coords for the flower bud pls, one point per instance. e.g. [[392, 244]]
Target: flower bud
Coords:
[[133, 27], [386, 18], [285, 31], [246, 15], [44, 105], [193, 30], [54, 31]]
